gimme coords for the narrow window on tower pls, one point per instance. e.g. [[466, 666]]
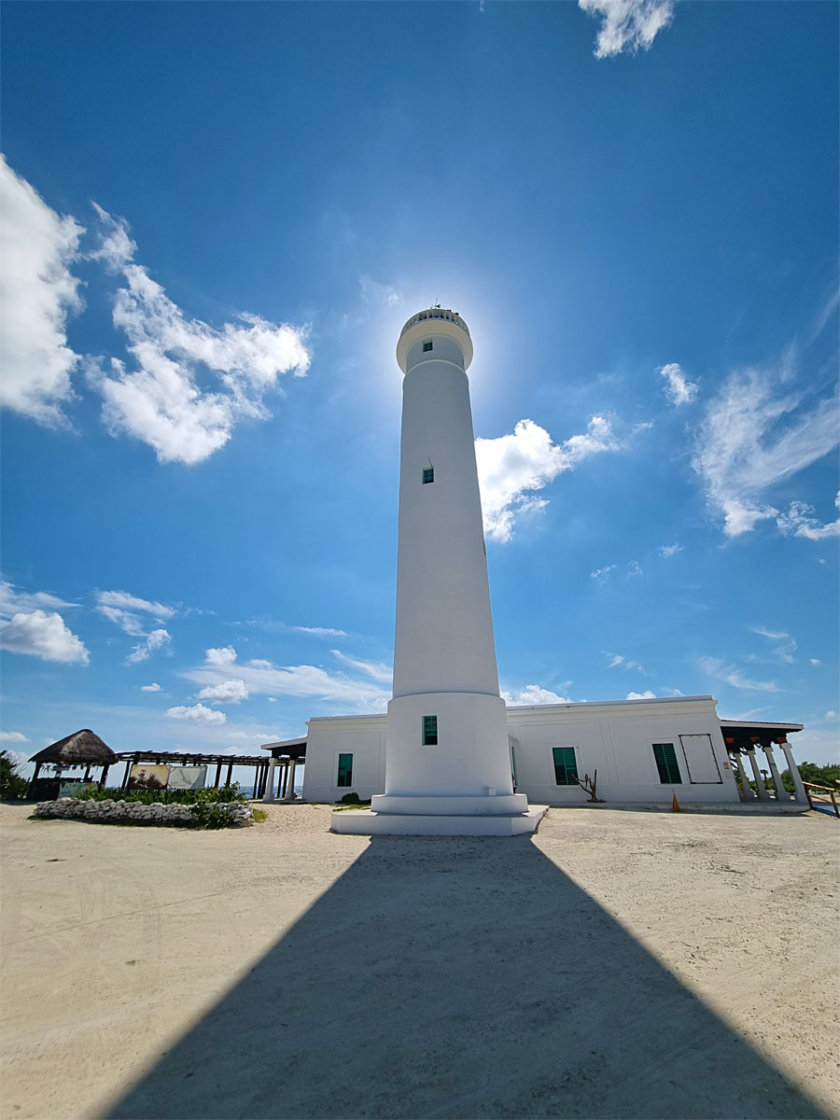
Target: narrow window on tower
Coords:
[[345, 770], [565, 766], [428, 475], [430, 737], [427, 346]]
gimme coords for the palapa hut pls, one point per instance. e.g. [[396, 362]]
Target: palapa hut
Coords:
[[83, 748]]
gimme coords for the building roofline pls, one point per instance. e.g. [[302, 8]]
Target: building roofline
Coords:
[[587, 704], [762, 725]]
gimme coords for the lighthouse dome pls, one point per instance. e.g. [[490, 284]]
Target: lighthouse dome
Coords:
[[430, 322]]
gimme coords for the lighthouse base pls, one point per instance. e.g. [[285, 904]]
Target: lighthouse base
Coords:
[[363, 822]]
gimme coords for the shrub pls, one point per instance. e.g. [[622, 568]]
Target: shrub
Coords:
[[209, 796]]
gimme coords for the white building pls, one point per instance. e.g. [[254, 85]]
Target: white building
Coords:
[[643, 751]]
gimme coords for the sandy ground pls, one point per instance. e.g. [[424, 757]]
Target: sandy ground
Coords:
[[618, 964]]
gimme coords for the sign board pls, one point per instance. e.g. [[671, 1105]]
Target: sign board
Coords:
[[187, 777], [146, 776]]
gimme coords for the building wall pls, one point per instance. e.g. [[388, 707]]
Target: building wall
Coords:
[[361, 736], [614, 738]]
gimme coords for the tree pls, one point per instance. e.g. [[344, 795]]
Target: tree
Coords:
[[12, 786], [810, 772]]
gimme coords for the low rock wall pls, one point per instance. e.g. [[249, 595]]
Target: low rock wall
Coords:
[[135, 812]]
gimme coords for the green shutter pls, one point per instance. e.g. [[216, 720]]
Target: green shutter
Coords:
[[427, 346], [565, 766], [430, 731], [428, 474], [345, 770], [666, 764]]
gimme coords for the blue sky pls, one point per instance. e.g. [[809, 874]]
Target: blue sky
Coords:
[[216, 218]]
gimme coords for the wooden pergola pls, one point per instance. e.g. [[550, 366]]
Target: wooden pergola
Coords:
[[220, 761]]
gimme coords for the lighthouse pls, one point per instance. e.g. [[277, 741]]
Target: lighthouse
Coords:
[[447, 761]]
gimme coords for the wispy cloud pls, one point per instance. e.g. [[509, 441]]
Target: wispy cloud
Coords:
[[785, 646], [158, 639], [799, 521], [666, 551], [320, 631], [37, 294], [600, 574], [648, 695], [512, 469], [628, 25], [124, 610], [619, 661], [153, 687], [13, 737], [757, 432], [677, 388], [715, 668], [360, 692], [376, 670]]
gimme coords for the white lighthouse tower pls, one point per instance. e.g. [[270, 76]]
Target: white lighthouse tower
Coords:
[[448, 765]]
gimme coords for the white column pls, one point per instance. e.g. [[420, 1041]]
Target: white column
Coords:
[[290, 784], [801, 796], [269, 781], [746, 792], [763, 793], [781, 793]]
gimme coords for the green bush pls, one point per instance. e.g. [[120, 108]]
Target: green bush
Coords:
[[207, 797]]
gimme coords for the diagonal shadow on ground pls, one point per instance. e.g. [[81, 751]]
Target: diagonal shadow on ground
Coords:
[[502, 991]]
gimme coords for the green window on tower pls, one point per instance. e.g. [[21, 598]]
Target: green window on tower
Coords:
[[428, 475], [427, 347], [565, 766], [666, 764], [430, 736], [345, 770]]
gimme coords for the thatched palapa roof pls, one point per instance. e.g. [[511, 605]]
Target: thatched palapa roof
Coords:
[[82, 748]]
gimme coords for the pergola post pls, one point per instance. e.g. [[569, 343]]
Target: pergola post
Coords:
[[781, 793], [801, 796], [229, 774], [128, 764], [746, 791], [218, 775], [268, 795], [290, 784], [760, 788], [105, 770]]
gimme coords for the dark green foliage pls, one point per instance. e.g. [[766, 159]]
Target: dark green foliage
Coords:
[[350, 799], [811, 772], [12, 786], [166, 796]]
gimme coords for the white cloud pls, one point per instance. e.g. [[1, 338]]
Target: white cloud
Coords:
[[153, 687], [161, 401], [43, 635], [753, 436], [320, 631], [634, 569], [619, 661], [677, 388], [815, 661], [143, 650], [226, 692], [799, 521], [13, 737], [37, 293], [648, 695], [226, 655], [534, 694], [121, 608], [601, 574], [198, 713], [512, 468], [376, 294], [628, 24], [666, 551], [715, 668], [831, 714]]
